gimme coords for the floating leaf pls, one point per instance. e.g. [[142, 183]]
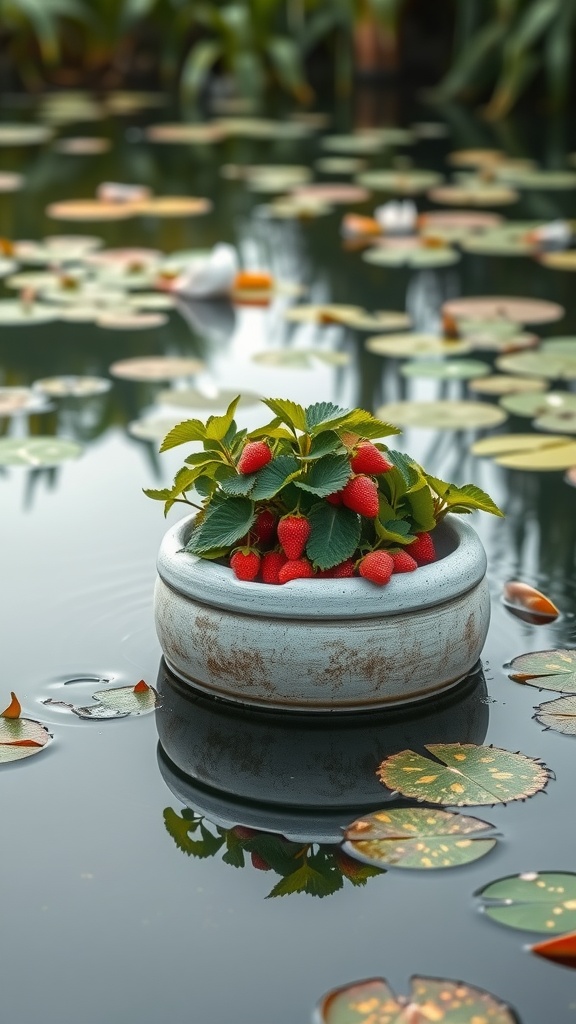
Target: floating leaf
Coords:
[[559, 951], [551, 365], [537, 404], [403, 346], [119, 702], [10, 182], [24, 314], [417, 257], [70, 386], [445, 414], [564, 260], [533, 902], [14, 401], [559, 714], [185, 134], [173, 206], [463, 774], [412, 837], [528, 604], [300, 358], [340, 165], [331, 192], [474, 193], [527, 178], [155, 368], [36, 452], [462, 220], [547, 670], [89, 210], [518, 310], [24, 134], [504, 384], [19, 737], [409, 182], [448, 369], [475, 157], [82, 145], [430, 999], [130, 321], [528, 451]]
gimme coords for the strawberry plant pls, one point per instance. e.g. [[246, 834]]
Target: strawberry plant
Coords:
[[314, 492]]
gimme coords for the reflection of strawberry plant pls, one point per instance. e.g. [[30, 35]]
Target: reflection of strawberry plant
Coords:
[[318, 869]]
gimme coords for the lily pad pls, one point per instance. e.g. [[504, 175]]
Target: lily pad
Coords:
[[430, 999], [505, 384], [132, 320], [118, 702], [403, 346], [559, 714], [555, 421], [412, 837], [155, 368], [448, 369], [507, 240], [82, 145], [361, 144], [503, 307], [15, 401], [464, 220], [89, 210], [300, 358], [409, 182], [536, 452], [71, 386], [463, 774], [542, 901], [180, 134], [24, 134], [340, 165], [10, 181], [539, 404], [546, 670], [445, 414], [20, 737], [543, 363], [417, 257], [295, 208], [473, 194], [527, 178], [475, 157], [565, 260], [173, 206], [14, 313], [276, 177], [331, 192], [36, 452]]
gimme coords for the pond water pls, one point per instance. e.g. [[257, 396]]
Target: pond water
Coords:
[[105, 918]]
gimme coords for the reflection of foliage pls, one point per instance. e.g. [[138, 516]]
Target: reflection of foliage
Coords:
[[317, 869]]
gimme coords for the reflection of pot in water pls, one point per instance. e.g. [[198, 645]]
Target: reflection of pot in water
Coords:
[[302, 776]]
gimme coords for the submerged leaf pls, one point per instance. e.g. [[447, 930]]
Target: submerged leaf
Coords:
[[463, 774], [547, 670], [413, 837], [532, 902]]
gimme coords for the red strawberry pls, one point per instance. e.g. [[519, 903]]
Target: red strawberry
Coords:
[[293, 532], [256, 454], [264, 529], [369, 459], [335, 499], [295, 569], [361, 495], [403, 562], [272, 562], [245, 564], [376, 566], [422, 549], [345, 569], [259, 862]]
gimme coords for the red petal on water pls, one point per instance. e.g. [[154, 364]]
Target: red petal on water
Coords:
[[141, 687], [13, 710], [561, 950]]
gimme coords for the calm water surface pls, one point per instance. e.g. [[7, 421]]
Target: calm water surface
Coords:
[[104, 918]]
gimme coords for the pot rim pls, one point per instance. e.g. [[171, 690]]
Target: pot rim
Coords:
[[460, 568]]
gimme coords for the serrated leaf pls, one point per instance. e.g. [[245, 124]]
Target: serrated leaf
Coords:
[[327, 475], [273, 429], [353, 870], [559, 714], [467, 497], [183, 433], [281, 854], [204, 458], [463, 774], [364, 424], [307, 879], [326, 443], [535, 902], [179, 827], [217, 427], [224, 524], [288, 412], [407, 469], [421, 505], [273, 477], [396, 530], [334, 534], [414, 837], [158, 494], [240, 483], [323, 413], [547, 670]]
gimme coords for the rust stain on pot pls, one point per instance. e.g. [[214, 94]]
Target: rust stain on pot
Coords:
[[246, 668]]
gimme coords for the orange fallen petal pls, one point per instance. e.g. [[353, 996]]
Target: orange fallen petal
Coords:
[[252, 279], [6, 247], [14, 709], [526, 602], [561, 950], [22, 743], [433, 242], [141, 687], [354, 225]]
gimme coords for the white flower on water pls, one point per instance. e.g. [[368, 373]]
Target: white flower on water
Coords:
[[397, 217]]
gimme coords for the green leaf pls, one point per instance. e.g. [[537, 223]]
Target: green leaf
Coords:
[[288, 412], [559, 715], [414, 837], [234, 849], [463, 774], [240, 483], [466, 498], [206, 486], [272, 429], [183, 433], [396, 530], [224, 524], [323, 412], [179, 827], [406, 467], [203, 458], [363, 423], [281, 854], [307, 879], [158, 494], [533, 902], [197, 66], [421, 505], [273, 477], [334, 534], [327, 475], [547, 670], [326, 443], [217, 426], [353, 870]]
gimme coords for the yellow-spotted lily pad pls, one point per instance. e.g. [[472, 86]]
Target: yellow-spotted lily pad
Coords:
[[542, 901], [413, 837], [505, 384], [445, 414], [448, 369], [537, 452], [546, 670], [463, 774], [408, 345]]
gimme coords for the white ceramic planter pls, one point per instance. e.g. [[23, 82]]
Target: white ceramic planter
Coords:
[[318, 645]]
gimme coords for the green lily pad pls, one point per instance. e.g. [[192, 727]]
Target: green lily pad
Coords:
[[507, 240], [15, 401], [504, 384], [10, 182], [565, 260], [155, 368], [542, 901], [503, 307], [412, 837], [536, 452], [546, 670], [20, 738], [362, 145], [475, 193], [36, 452], [151, 301], [24, 134], [463, 774], [555, 421], [448, 369], [538, 403], [277, 177], [14, 313], [301, 359], [535, 179], [295, 208], [560, 346], [559, 714], [72, 386], [7, 267], [409, 182], [445, 414], [403, 346], [417, 257], [549, 364], [340, 165], [181, 134], [430, 999]]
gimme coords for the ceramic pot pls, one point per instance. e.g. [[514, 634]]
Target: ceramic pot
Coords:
[[324, 645]]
